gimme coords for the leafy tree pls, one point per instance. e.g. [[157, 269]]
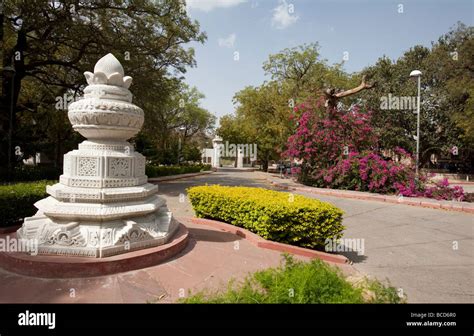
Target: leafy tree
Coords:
[[447, 93], [179, 118], [51, 44], [302, 71], [192, 153], [297, 75]]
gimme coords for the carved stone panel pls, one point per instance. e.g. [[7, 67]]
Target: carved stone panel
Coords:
[[119, 167], [87, 166]]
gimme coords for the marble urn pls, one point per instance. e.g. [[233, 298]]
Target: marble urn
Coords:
[[102, 205]]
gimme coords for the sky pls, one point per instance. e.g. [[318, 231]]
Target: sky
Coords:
[[243, 33]]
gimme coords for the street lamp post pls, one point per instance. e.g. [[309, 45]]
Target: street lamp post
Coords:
[[181, 129], [9, 71], [417, 74]]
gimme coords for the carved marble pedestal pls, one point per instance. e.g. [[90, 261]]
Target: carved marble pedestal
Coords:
[[102, 205]]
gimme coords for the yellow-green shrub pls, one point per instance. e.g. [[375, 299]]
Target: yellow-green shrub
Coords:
[[273, 215]]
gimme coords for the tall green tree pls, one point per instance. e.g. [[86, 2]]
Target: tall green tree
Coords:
[[447, 91], [176, 123], [51, 43], [262, 115]]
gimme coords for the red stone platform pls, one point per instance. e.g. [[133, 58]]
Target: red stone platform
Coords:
[[45, 266]]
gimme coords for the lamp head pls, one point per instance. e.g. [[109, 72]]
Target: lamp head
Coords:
[[415, 73]]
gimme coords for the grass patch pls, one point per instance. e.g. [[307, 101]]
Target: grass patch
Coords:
[[299, 282]]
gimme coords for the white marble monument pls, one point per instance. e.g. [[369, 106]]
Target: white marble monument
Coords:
[[102, 205]]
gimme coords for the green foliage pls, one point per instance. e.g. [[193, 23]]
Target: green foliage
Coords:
[[301, 72], [299, 282], [383, 293], [451, 62], [59, 40], [273, 215], [156, 171], [447, 95], [176, 124], [30, 173], [262, 112], [17, 201], [191, 154]]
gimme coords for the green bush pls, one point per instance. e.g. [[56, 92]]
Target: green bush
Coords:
[[299, 282], [17, 201], [156, 171], [273, 215], [30, 173]]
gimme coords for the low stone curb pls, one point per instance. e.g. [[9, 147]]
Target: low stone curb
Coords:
[[267, 244], [177, 177], [420, 202]]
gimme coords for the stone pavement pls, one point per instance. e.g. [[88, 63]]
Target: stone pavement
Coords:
[[429, 253], [412, 247], [210, 260]]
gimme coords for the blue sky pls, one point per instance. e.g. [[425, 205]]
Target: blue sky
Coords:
[[365, 29]]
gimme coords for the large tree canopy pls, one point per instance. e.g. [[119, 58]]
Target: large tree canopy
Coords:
[[51, 43], [447, 95], [263, 113], [299, 75]]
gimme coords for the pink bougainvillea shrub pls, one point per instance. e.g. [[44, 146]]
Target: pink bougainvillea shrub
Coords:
[[339, 150]]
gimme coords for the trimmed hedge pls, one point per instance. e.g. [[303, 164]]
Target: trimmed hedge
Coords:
[[30, 173], [273, 215], [156, 171], [17, 201]]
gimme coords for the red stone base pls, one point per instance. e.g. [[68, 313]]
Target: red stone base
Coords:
[[9, 229], [79, 267]]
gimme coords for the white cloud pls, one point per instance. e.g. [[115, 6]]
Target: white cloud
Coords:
[[228, 41], [208, 5], [282, 18]]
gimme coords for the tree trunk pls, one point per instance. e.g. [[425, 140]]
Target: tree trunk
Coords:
[[19, 66], [332, 97]]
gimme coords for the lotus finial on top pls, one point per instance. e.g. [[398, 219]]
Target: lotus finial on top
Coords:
[[108, 71]]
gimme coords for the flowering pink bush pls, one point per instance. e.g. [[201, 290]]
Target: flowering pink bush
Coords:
[[442, 191], [366, 171], [439, 190], [340, 151], [321, 141]]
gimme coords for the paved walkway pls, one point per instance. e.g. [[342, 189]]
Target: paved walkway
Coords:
[[209, 261], [429, 253], [412, 247]]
